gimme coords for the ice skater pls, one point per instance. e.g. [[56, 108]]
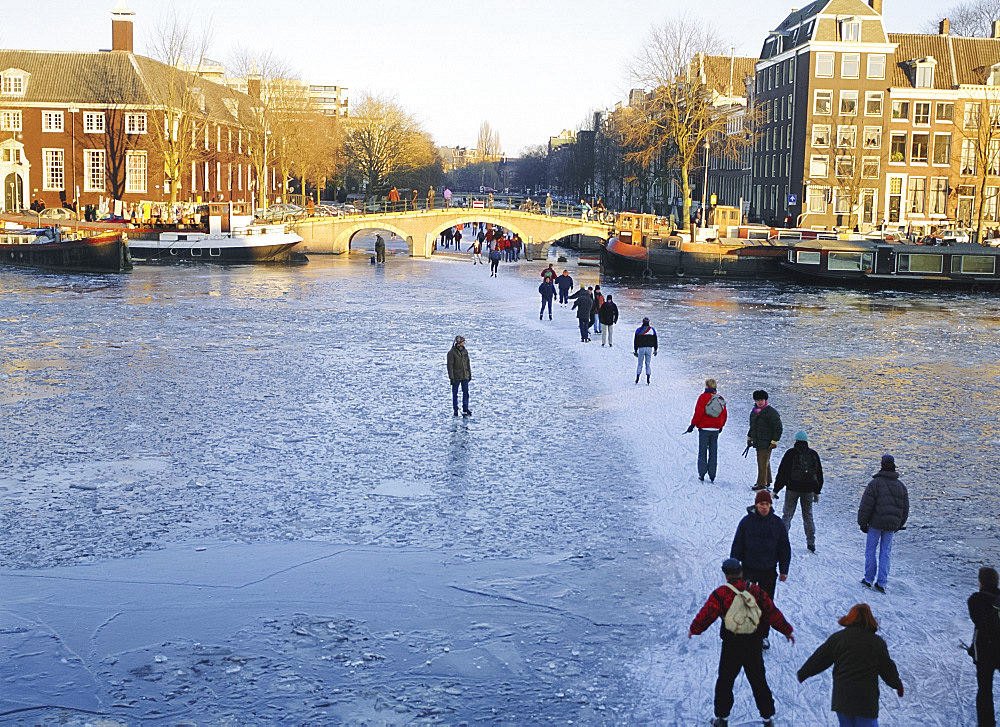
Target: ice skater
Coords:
[[802, 473], [882, 513], [644, 347], [709, 416], [460, 374]]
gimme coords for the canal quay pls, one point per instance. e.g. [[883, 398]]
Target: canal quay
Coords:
[[238, 496]]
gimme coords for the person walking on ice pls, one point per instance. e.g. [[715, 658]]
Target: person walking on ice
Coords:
[[644, 347], [745, 610], [548, 292], [709, 416], [763, 436], [801, 473], [608, 315], [858, 658], [984, 610], [883, 511], [584, 304], [565, 283], [460, 374]]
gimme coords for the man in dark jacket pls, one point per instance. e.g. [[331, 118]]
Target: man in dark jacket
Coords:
[[584, 304], [740, 651], [985, 643], [644, 347], [548, 292], [802, 473], [883, 511], [460, 373], [709, 429], [565, 284], [598, 302], [761, 544], [608, 315], [763, 436]]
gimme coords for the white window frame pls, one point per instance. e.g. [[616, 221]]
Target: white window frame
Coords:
[[871, 96], [850, 30], [808, 257], [899, 104], [826, 94], [904, 262], [135, 123], [818, 198], [927, 116], [844, 167], [853, 261], [53, 170], [52, 122], [94, 170], [870, 167], [819, 166], [12, 84], [937, 196], [934, 151], [876, 60], [818, 131], [906, 140], [850, 61], [136, 172], [958, 264], [914, 137], [923, 77], [11, 120], [828, 60], [852, 133], [873, 133], [848, 95], [950, 117], [93, 122]]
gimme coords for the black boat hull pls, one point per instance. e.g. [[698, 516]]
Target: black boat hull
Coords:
[[233, 255], [92, 255], [680, 263]]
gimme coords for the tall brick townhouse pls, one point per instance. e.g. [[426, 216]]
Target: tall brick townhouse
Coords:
[[863, 128], [83, 126]]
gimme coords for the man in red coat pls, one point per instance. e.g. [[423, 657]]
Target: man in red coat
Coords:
[[740, 651], [710, 417]]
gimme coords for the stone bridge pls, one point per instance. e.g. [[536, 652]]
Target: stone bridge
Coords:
[[421, 228]]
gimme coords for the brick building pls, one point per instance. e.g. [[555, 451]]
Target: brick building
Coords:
[[85, 126]]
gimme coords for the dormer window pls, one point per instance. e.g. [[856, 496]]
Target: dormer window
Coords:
[[994, 78], [850, 30], [924, 75], [12, 82]]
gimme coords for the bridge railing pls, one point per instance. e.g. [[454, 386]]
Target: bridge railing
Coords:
[[472, 202]]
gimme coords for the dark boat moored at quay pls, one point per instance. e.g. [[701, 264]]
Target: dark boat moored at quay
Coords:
[[889, 265], [49, 248]]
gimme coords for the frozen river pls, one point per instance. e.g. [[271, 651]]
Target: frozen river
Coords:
[[238, 495]]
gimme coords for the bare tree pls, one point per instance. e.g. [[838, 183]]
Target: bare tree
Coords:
[[179, 97], [488, 145], [317, 150], [974, 18], [667, 126], [382, 139], [979, 133], [117, 91]]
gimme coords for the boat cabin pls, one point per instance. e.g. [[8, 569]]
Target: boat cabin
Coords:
[[649, 231]]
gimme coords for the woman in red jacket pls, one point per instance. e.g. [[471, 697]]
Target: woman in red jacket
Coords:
[[710, 417]]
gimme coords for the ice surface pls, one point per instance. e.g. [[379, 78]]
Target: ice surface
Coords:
[[288, 526]]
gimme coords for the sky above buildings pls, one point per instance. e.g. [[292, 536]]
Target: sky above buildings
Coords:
[[529, 68]]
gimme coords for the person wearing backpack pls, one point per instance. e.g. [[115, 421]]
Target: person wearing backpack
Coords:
[[859, 658], [801, 473], [746, 610], [710, 417], [882, 513], [984, 610]]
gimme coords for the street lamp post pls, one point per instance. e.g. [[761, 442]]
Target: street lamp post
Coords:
[[704, 191], [72, 132]]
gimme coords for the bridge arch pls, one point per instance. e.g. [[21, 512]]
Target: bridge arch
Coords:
[[465, 219]]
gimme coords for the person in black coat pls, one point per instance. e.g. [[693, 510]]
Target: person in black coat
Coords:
[[548, 292], [802, 473], [763, 436], [985, 643], [859, 658], [584, 304], [883, 511], [565, 283], [608, 316], [761, 545]]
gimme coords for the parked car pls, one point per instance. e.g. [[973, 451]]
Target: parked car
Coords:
[[57, 213], [280, 212], [953, 235]]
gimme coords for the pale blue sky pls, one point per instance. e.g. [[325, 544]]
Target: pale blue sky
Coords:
[[529, 68]]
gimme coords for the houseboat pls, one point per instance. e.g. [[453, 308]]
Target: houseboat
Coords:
[[881, 264], [218, 233], [51, 248]]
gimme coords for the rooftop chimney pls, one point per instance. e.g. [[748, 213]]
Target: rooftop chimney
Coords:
[[876, 5], [944, 26], [996, 29], [121, 27]]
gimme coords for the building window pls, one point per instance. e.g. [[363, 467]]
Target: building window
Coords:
[[873, 137], [52, 121], [876, 65], [53, 170], [817, 199], [921, 112], [218, 176], [919, 148], [897, 148], [848, 103], [12, 85], [10, 120], [967, 162], [93, 170], [847, 136], [93, 122], [850, 65], [900, 110], [845, 167], [870, 167], [925, 75], [916, 195], [12, 155], [990, 202], [135, 123], [944, 111], [993, 157], [841, 203], [135, 172], [820, 135], [973, 112], [850, 30], [824, 65], [942, 149], [873, 103], [938, 197], [822, 102], [819, 167]]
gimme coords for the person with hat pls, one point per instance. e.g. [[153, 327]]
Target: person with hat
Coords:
[[802, 473], [740, 651], [644, 347], [583, 301], [565, 284], [763, 436], [761, 545], [883, 512], [460, 373]]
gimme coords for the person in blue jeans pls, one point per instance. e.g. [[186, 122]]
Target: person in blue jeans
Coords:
[[882, 513], [460, 374], [644, 347], [710, 424]]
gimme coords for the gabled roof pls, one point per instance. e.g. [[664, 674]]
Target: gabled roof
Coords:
[[960, 60], [720, 70], [818, 21], [112, 77]]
